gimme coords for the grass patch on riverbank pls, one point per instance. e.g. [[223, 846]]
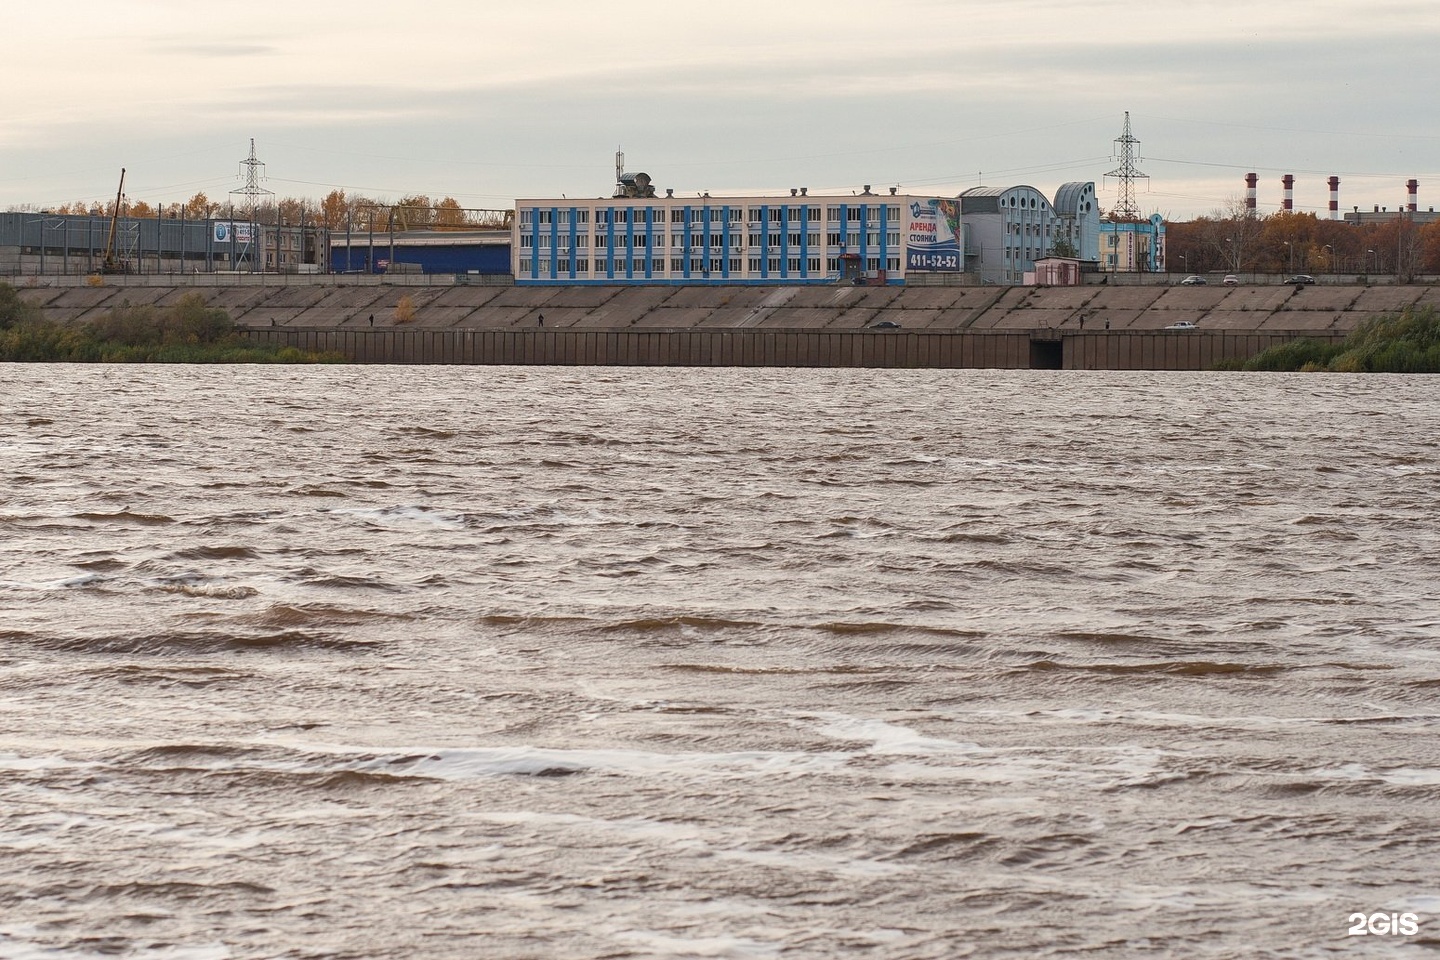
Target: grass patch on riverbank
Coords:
[[1407, 342], [186, 332]]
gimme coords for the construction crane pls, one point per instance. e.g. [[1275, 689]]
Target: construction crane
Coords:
[[112, 264]]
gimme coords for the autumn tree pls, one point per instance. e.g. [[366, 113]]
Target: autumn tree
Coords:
[[449, 215], [292, 211], [199, 207], [334, 210]]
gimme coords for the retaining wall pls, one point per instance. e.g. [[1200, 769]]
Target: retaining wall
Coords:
[[1099, 350]]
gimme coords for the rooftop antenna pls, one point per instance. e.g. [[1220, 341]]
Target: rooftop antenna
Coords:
[[619, 164], [1125, 207], [253, 171]]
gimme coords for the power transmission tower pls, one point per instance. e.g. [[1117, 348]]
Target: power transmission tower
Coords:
[[1126, 208], [254, 171]]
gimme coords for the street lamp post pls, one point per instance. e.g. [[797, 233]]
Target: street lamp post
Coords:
[[1332, 257], [1370, 259], [1290, 250]]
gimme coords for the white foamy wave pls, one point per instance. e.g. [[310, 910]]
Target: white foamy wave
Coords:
[[466, 763], [406, 515], [1397, 776]]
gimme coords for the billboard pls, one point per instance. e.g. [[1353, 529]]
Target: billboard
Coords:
[[932, 236], [226, 231]]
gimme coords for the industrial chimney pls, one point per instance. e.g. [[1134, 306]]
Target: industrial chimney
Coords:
[[1288, 182], [1334, 198], [1251, 179], [1412, 187]]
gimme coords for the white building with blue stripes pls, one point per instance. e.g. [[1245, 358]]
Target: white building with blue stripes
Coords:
[[784, 240]]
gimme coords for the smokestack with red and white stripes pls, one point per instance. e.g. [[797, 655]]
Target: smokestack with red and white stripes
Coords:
[[1334, 198], [1288, 182], [1412, 187], [1251, 180]]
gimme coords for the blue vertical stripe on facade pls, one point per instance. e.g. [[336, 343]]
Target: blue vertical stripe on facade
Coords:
[[554, 243], [535, 243], [884, 240], [689, 213], [864, 236], [785, 241], [725, 243], [765, 242], [610, 244], [649, 243], [630, 244], [573, 249]]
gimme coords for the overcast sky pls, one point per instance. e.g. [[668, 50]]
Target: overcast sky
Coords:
[[486, 101]]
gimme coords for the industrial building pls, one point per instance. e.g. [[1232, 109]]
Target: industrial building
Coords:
[[1007, 229], [47, 243], [637, 236], [421, 251], [794, 239], [1133, 246]]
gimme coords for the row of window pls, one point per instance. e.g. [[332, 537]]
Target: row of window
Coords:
[[856, 213], [757, 266], [715, 241]]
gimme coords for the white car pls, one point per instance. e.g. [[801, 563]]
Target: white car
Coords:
[[1181, 325], [1231, 280]]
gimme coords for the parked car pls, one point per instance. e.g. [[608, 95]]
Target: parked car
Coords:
[[1304, 278], [1231, 280], [1181, 325], [1193, 281], [885, 325]]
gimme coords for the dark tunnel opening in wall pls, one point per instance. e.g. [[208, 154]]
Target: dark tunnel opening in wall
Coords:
[[1047, 355]]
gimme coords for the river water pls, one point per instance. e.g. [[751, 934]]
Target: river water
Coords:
[[455, 662]]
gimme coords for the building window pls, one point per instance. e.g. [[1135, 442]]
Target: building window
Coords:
[[813, 264]]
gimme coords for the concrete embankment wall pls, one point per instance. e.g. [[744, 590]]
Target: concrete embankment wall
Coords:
[[1114, 326], [991, 349]]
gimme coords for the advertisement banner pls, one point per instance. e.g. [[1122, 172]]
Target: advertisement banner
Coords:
[[225, 232], [932, 237]]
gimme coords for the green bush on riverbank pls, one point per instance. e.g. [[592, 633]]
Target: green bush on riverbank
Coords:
[[1407, 342], [187, 332]]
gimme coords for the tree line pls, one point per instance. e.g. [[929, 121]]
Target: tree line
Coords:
[[1234, 241], [338, 211]]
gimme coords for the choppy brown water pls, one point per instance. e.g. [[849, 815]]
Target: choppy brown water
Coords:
[[553, 663]]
